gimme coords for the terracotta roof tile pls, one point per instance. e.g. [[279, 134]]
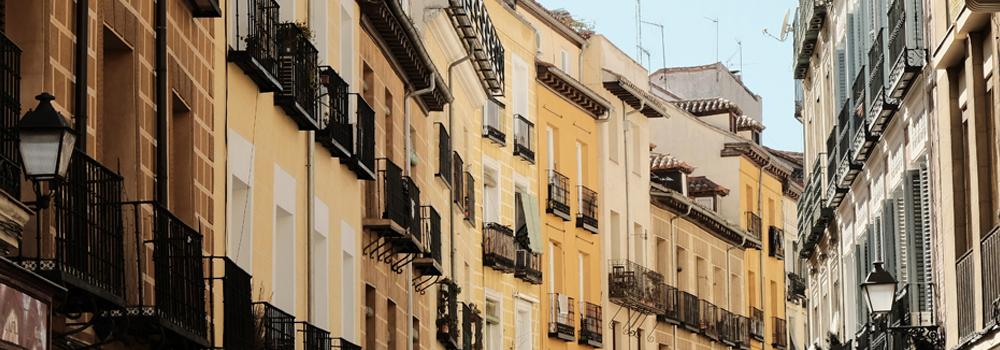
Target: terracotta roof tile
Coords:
[[709, 106], [664, 161], [700, 185]]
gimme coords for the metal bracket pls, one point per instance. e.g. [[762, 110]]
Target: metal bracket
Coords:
[[422, 283]]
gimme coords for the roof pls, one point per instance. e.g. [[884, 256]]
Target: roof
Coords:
[[667, 162], [709, 106], [707, 219], [745, 122], [553, 21], [633, 95], [699, 186], [563, 84], [712, 66], [796, 158]]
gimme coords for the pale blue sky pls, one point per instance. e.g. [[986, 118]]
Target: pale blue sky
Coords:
[[690, 37]]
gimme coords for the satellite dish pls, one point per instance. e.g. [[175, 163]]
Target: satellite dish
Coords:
[[785, 27]]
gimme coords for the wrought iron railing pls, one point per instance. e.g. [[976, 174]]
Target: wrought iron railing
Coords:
[[754, 225], [430, 226], [671, 305], [709, 319], [493, 125], [386, 198], [470, 198], [458, 178], [298, 73], [587, 216], [689, 311], [965, 275], [315, 338], [757, 323], [338, 132], [238, 317], [742, 331], [990, 254], [498, 247], [591, 331], [858, 89], [363, 161], [254, 46], [796, 286], [876, 60], [558, 189], [727, 325], [10, 113], [561, 316], [524, 139], [447, 315], [472, 327], [473, 24], [776, 242], [344, 344], [779, 333], [444, 154], [635, 286], [276, 327], [528, 266]]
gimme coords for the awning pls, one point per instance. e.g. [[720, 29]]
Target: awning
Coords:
[[633, 95]]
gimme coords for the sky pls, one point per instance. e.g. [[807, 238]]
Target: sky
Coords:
[[690, 35]]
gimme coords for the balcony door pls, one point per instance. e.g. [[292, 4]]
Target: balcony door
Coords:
[[523, 339]]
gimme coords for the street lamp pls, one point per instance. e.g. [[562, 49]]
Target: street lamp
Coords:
[[879, 289], [46, 144]]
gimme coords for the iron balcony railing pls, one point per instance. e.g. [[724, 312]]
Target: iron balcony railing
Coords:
[[907, 50], [561, 316], [965, 275], [444, 154], [742, 331], [779, 333], [810, 19], [493, 125], [85, 252], [754, 225], [238, 314], [689, 311], [344, 344], [413, 239], [298, 73], [498, 247], [558, 189], [275, 327], [587, 216], [386, 201], [337, 134], [458, 181], [858, 90], [863, 336], [728, 327], [430, 262], [254, 45], [528, 266], [315, 338], [470, 198], [636, 287], [591, 331], [709, 322], [524, 139], [447, 315], [363, 159], [990, 255], [472, 327], [776, 242], [757, 323], [882, 105], [10, 114], [473, 24], [671, 305], [796, 286]]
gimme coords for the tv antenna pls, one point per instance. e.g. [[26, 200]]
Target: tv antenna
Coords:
[[783, 32], [716, 21]]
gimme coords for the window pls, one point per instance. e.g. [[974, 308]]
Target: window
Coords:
[[581, 270], [636, 158], [701, 273], [181, 158], [390, 128], [639, 237], [616, 235], [681, 278], [240, 246], [493, 330], [752, 279], [519, 97], [491, 195], [391, 341], [320, 262], [564, 63], [347, 51], [415, 330], [523, 324], [370, 311], [348, 305], [550, 148], [555, 267], [614, 141], [662, 256], [284, 259], [368, 83], [718, 286]]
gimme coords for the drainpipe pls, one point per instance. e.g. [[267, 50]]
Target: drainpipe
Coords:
[[82, 34], [310, 217], [760, 253], [407, 149], [161, 103], [451, 189]]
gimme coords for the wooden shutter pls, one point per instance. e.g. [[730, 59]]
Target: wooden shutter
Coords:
[[917, 192], [843, 81], [887, 237]]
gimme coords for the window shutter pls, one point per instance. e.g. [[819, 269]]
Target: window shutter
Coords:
[[861, 270], [918, 221], [888, 237], [843, 81], [903, 247]]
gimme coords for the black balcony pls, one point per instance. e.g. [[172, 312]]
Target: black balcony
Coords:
[[882, 106], [742, 332], [362, 162], [274, 327], [338, 132], [470, 198], [776, 242], [558, 201], [524, 139], [85, 251], [990, 256], [473, 24], [498, 247], [728, 328], [412, 241], [344, 344], [458, 181], [10, 114], [387, 205], [528, 266], [811, 17], [813, 213], [298, 73], [591, 332], [254, 45], [493, 125], [636, 287], [753, 225], [688, 311], [315, 338], [907, 50], [429, 263], [444, 155], [848, 168], [757, 324], [965, 276], [587, 217], [561, 317], [796, 286], [472, 327], [779, 333], [709, 320], [671, 308], [238, 317], [447, 315], [205, 8]]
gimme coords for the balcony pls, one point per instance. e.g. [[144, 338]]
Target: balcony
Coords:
[[362, 162], [671, 307], [493, 125], [429, 262], [472, 327], [847, 169], [413, 241], [238, 313], [587, 217], [337, 135], [633, 286], [965, 276], [776, 242], [796, 286], [689, 311], [458, 181], [528, 266], [315, 338], [591, 332], [742, 332], [387, 205], [344, 344], [275, 327], [85, 251], [561, 317], [813, 214], [754, 225], [779, 336], [728, 330], [473, 24], [990, 255], [524, 140], [447, 315], [254, 45], [444, 155], [10, 114], [883, 106], [811, 16], [558, 201], [470, 198], [757, 324], [709, 324], [298, 73], [205, 8], [907, 50], [498, 247]]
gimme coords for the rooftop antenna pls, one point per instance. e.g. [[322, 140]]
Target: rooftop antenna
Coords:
[[663, 42], [785, 29], [716, 21], [739, 43]]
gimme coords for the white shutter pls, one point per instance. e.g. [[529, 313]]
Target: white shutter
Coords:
[[843, 80], [918, 221]]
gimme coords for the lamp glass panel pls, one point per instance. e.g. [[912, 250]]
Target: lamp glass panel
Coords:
[[40, 153], [880, 296]]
